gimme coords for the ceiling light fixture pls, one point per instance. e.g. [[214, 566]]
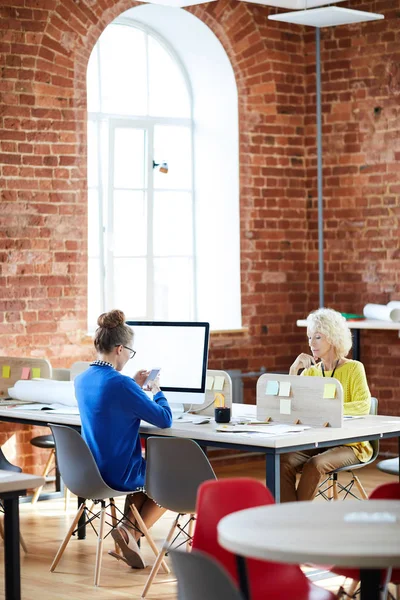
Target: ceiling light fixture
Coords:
[[327, 16]]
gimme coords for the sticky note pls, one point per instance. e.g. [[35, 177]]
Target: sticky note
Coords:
[[285, 406], [329, 390], [272, 388], [284, 388], [219, 400], [35, 372], [209, 382], [219, 381], [6, 371], [25, 373]]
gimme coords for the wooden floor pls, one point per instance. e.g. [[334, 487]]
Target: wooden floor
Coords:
[[45, 524]]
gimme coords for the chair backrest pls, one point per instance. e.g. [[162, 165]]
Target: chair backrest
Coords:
[[77, 466], [387, 491], [373, 410], [201, 578], [217, 499], [6, 465], [175, 469]]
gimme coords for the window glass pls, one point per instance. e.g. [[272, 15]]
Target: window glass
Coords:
[[130, 223], [130, 285], [168, 93], [123, 70], [129, 157], [173, 225], [173, 145], [173, 289]]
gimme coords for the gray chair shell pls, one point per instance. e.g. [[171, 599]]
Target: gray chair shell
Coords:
[[176, 467], [200, 577], [81, 475], [390, 466]]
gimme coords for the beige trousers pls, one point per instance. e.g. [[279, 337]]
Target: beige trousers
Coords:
[[312, 464]]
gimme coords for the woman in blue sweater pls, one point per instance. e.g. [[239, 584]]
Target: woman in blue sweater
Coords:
[[111, 406]]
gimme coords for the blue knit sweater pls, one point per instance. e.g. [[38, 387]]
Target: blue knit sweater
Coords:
[[111, 406]]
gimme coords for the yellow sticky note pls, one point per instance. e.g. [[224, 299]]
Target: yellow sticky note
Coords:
[[272, 388], [35, 372], [6, 372], [209, 382], [219, 400], [25, 373], [284, 388], [219, 381], [285, 406], [329, 390]]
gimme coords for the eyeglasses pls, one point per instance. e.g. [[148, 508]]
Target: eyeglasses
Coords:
[[131, 352]]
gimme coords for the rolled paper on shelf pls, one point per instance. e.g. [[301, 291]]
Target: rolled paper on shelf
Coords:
[[382, 312], [46, 391], [394, 305]]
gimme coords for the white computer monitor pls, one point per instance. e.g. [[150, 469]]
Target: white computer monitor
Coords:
[[180, 350]]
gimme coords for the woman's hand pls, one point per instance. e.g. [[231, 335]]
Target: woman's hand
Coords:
[[154, 386], [141, 377], [303, 361]]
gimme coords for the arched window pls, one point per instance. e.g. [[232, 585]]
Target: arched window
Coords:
[[150, 212]]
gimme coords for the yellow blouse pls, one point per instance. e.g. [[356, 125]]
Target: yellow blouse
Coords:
[[356, 396]]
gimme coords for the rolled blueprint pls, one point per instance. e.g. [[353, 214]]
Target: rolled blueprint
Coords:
[[46, 391], [382, 312], [394, 304]]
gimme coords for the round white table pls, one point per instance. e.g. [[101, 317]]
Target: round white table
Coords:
[[365, 535]]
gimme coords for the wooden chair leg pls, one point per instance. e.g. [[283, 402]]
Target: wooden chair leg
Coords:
[[190, 532], [142, 526], [159, 558], [44, 474], [353, 588], [23, 545], [67, 537], [100, 539], [360, 488], [335, 488], [67, 496], [114, 521]]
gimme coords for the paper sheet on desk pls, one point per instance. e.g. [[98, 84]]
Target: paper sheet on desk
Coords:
[[51, 408], [49, 391], [278, 429]]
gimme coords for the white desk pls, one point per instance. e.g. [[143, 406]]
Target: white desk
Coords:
[[357, 326], [368, 428], [347, 534], [13, 485]]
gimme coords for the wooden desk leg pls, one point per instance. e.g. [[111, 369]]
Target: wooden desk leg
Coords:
[[356, 344], [370, 584], [81, 522], [273, 474], [11, 548], [242, 575]]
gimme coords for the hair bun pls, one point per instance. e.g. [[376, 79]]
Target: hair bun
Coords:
[[111, 319]]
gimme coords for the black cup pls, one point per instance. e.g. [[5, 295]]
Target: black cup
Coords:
[[222, 414]]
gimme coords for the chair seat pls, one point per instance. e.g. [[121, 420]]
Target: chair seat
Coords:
[[390, 465], [350, 468], [43, 441]]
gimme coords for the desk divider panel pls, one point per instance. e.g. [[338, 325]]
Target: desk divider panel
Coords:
[[219, 382], [13, 369], [315, 401]]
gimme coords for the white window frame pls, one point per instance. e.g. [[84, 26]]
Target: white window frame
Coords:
[[146, 123]]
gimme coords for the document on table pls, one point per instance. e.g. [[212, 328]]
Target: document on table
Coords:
[[53, 408], [266, 429]]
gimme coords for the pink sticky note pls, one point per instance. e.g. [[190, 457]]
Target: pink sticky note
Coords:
[[25, 373]]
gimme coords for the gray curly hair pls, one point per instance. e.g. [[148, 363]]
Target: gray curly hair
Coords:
[[334, 326]]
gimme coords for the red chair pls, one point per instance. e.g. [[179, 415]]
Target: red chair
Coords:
[[387, 491], [275, 581]]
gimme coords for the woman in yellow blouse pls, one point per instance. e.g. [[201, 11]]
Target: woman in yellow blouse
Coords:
[[329, 338]]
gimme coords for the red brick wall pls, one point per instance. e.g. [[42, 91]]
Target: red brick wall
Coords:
[[45, 47]]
